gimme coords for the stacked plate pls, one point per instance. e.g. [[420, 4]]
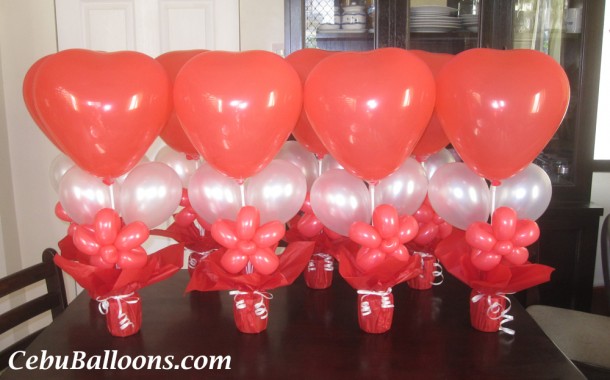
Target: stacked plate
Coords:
[[470, 22], [434, 19]]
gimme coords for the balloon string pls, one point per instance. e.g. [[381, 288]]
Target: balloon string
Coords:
[[319, 165], [372, 194], [242, 192], [111, 190], [492, 191]]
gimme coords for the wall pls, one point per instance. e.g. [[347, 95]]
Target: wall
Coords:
[[27, 32], [32, 227], [261, 24]]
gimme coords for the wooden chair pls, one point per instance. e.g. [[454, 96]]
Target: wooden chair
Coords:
[[54, 300], [583, 337]]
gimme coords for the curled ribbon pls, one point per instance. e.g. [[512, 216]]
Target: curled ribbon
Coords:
[[328, 262], [104, 307], [496, 311], [365, 306], [438, 268], [260, 310]]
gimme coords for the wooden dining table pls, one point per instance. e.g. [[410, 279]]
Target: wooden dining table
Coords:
[[311, 334]]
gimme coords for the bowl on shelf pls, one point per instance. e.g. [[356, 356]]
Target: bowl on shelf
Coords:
[[353, 18]]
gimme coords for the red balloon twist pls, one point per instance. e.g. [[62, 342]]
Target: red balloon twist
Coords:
[[187, 215], [247, 242], [109, 243], [431, 226], [502, 241], [386, 236], [310, 226]]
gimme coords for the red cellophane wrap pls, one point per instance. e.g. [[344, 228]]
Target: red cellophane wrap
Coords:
[[375, 300], [116, 289], [426, 278], [319, 272], [251, 299], [488, 287], [190, 235]]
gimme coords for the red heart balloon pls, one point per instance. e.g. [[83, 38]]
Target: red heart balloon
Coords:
[[433, 138], [500, 108], [370, 108], [237, 108], [102, 109], [28, 98], [172, 133], [303, 61]]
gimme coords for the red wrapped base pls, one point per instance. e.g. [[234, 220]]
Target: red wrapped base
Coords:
[[432, 273], [251, 311], [487, 311], [426, 279], [319, 272], [375, 310], [123, 314]]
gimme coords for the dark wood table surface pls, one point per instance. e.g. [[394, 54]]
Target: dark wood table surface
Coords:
[[312, 334]]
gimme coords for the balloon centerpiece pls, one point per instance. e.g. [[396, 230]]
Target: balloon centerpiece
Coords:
[[103, 111], [245, 194], [499, 109]]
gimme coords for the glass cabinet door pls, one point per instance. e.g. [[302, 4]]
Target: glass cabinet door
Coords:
[[554, 27], [567, 30]]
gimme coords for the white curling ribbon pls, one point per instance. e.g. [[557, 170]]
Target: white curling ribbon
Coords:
[[496, 311], [365, 306], [438, 272], [328, 262], [104, 306], [192, 262], [260, 310], [438, 268]]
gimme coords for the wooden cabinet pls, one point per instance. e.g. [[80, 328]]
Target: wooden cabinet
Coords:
[[570, 225]]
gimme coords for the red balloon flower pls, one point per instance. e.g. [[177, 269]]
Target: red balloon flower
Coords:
[[246, 242], [502, 241], [386, 236], [109, 243], [431, 226]]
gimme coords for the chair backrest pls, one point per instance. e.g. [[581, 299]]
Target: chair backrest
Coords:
[[605, 249], [54, 300]]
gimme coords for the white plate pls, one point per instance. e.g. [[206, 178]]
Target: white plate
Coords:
[[435, 24], [343, 31], [435, 18], [436, 9]]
